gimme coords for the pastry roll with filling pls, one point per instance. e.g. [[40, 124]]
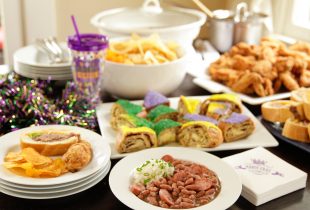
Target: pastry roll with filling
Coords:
[[218, 110], [200, 134], [135, 139], [166, 131], [236, 126], [153, 99], [123, 107], [162, 112], [225, 97], [131, 121], [198, 117], [188, 105]]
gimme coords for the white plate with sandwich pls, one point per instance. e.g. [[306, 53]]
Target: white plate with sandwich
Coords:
[[11, 142]]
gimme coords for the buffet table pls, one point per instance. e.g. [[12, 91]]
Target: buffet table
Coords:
[[101, 197]]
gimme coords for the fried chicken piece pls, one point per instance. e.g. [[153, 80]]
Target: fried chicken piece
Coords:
[[247, 79], [272, 43], [77, 156], [243, 62], [264, 68], [301, 47], [284, 64], [277, 84], [289, 81], [222, 74], [299, 66], [244, 49], [305, 78], [268, 54], [268, 87], [259, 89]]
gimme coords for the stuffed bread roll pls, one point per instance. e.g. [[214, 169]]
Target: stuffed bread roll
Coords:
[[225, 97], [281, 110], [123, 107], [131, 121], [49, 142], [166, 131], [162, 112], [153, 99], [134, 139], [188, 105], [200, 134], [296, 130], [236, 126]]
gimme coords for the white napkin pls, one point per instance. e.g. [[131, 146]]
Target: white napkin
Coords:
[[265, 176]]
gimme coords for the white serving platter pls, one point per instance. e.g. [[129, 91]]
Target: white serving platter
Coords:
[[260, 136]]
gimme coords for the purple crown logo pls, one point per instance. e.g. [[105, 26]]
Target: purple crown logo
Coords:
[[259, 162]]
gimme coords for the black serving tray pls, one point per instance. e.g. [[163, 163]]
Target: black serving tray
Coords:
[[276, 130]]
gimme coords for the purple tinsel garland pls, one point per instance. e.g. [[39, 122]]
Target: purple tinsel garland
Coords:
[[27, 102]]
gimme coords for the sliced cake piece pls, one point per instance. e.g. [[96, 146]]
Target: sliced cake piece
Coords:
[[225, 97], [134, 139], [166, 131], [236, 126], [123, 107], [200, 134], [188, 105], [131, 121], [218, 110], [162, 112], [153, 99]]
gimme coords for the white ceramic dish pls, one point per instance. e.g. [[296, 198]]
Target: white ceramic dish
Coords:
[[63, 189], [30, 55], [28, 71], [260, 136], [173, 23], [53, 187], [216, 87], [101, 156], [56, 194], [199, 69], [133, 81], [230, 182]]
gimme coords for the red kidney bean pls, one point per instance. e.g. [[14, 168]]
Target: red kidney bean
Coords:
[[188, 192], [165, 186], [189, 181], [186, 205], [179, 183], [145, 192], [187, 200]]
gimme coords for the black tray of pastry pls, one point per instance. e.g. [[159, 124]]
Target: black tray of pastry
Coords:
[[276, 130]]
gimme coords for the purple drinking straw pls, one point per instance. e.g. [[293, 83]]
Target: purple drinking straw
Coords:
[[76, 28]]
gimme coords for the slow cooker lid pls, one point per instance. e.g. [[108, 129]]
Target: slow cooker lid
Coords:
[[149, 16], [132, 18]]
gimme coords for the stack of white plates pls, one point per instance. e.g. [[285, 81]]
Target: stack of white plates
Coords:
[[30, 62], [64, 185]]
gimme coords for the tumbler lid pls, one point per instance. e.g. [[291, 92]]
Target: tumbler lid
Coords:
[[88, 42]]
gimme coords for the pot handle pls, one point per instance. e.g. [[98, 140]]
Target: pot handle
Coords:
[[241, 12], [152, 6]]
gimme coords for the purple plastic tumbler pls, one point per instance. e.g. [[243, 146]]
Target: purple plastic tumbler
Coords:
[[87, 52]]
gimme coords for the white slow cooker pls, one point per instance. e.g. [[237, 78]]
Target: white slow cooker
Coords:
[[173, 23]]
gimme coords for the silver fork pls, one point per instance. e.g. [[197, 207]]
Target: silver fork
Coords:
[[48, 47], [57, 48], [43, 48]]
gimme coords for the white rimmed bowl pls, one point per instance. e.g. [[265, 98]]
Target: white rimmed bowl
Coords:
[[134, 81]]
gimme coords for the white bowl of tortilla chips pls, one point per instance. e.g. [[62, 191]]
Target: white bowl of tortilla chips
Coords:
[[135, 65]]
